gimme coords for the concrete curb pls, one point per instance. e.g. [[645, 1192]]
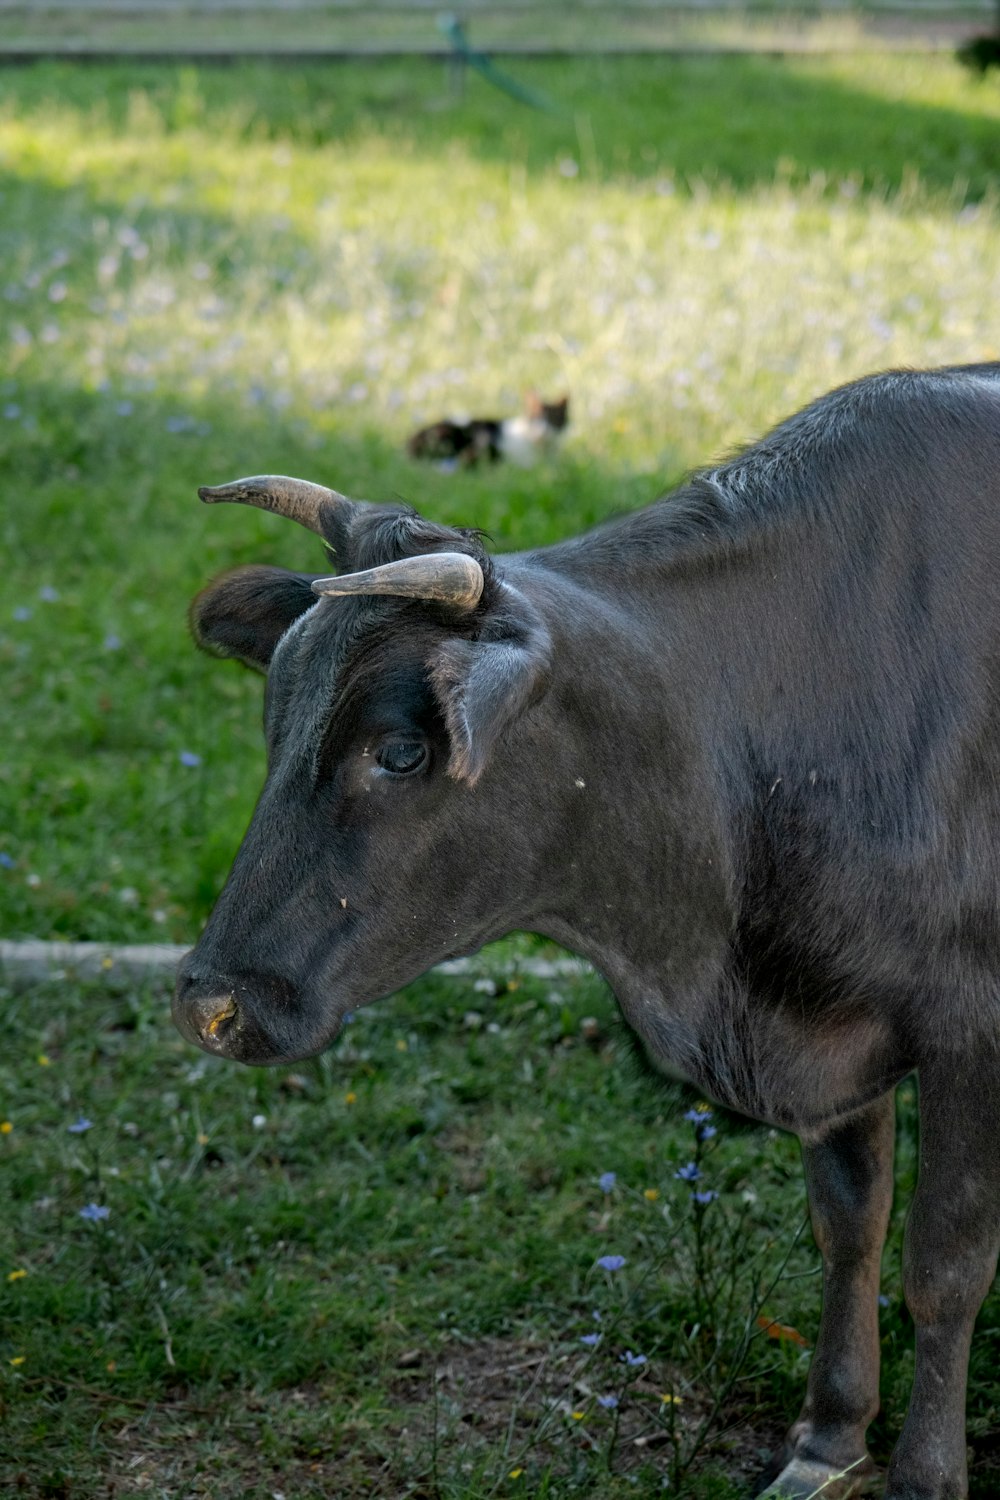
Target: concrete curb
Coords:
[[27, 963], [931, 39]]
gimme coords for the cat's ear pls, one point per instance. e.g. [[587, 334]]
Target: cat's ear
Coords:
[[534, 406]]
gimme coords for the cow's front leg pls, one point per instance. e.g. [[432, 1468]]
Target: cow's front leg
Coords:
[[949, 1260], [849, 1177]]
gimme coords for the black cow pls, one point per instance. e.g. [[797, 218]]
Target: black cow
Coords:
[[742, 751]]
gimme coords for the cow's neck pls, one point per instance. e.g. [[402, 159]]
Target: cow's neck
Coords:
[[651, 885]]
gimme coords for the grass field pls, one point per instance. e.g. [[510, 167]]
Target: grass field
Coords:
[[380, 1287]]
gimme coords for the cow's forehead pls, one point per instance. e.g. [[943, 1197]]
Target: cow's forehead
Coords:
[[311, 663], [309, 659], [321, 640]]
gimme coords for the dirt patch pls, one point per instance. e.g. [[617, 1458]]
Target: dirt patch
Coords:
[[472, 1412], [532, 1404]]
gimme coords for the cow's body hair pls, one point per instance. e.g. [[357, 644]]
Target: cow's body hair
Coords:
[[772, 484], [742, 751]]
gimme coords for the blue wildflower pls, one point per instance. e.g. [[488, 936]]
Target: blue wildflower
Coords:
[[697, 1116], [611, 1262], [608, 1402], [80, 1126], [591, 1340], [6, 860], [48, 594], [705, 1132], [883, 1300], [22, 613], [596, 1315], [188, 758], [606, 1181], [94, 1211], [112, 642], [690, 1173], [628, 1358], [704, 1198]]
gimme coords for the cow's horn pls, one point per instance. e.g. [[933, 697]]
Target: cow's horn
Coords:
[[301, 501], [450, 577]]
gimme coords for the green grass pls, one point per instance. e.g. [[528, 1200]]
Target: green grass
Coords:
[[300, 1273], [208, 273]]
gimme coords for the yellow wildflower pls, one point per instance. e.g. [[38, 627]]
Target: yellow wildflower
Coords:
[[5, 1127], [18, 1359], [202, 1138], [669, 1399], [43, 1061], [578, 1416], [16, 1275], [652, 1194], [402, 1045], [351, 1098], [515, 1473]]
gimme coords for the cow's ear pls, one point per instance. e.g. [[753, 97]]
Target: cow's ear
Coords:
[[244, 613], [484, 684]]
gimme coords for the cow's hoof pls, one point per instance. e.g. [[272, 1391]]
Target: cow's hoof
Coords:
[[805, 1479]]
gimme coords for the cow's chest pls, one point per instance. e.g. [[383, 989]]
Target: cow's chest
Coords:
[[778, 1063]]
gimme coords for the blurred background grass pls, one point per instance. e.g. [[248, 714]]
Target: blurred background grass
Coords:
[[210, 271]]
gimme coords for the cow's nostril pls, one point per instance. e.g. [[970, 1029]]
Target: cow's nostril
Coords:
[[210, 1027], [205, 1007]]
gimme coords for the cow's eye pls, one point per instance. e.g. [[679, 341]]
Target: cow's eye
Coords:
[[402, 757]]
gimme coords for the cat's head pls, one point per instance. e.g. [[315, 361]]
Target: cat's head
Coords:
[[555, 414]]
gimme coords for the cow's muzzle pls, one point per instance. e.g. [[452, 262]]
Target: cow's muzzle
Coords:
[[249, 1018], [204, 1014]]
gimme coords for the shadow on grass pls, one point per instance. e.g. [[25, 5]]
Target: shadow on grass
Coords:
[[734, 119]]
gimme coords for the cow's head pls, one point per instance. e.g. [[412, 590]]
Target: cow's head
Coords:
[[396, 826]]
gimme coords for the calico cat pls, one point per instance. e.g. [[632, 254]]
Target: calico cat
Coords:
[[523, 440]]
